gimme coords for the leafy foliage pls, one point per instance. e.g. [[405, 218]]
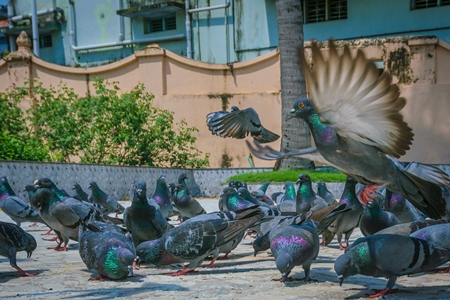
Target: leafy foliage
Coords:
[[111, 127], [15, 138]]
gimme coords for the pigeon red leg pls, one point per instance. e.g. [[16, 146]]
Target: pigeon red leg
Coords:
[[21, 272], [34, 225], [48, 232], [99, 278], [447, 270], [225, 256], [53, 239], [57, 247], [181, 272], [341, 247], [369, 193], [211, 264], [381, 293]]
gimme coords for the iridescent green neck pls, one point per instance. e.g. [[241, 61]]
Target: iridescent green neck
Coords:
[[305, 189], [321, 132]]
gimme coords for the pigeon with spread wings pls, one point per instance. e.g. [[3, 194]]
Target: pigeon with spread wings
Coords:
[[239, 124], [354, 116]]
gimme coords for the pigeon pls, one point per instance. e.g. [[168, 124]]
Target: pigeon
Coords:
[[323, 192], [15, 207], [47, 183], [192, 241], [79, 193], [268, 230], [144, 221], [288, 203], [260, 194], [375, 218], [186, 204], [182, 180], [354, 116], [346, 223], [437, 235], [246, 195], [107, 202], [239, 124], [307, 200], [379, 256], [410, 227], [106, 250], [446, 196], [162, 197], [401, 207], [14, 239], [295, 245], [30, 189], [61, 216], [231, 201]]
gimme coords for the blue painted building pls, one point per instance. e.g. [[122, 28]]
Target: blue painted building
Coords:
[[90, 33]]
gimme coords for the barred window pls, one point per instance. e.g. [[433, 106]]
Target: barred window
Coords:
[[324, 10], [160, 24], [45, 41], [420, 4]]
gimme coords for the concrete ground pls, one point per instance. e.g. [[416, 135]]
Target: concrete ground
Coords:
[[62, 275]]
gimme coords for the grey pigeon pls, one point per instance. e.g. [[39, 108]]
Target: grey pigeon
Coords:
[[107, 202], [323, 192], [410, 227], [80, 194], [375, 218], [47, 183], [193, 241], [260, 194], [144, 221], [307, 200], [289, 201], [446, 196], [162, 197], [347, 222], [403, 209], [238, 124], [60, 216], [14, 239], [30, 189], [246, 195], [295, 245], [390, 256], [354, 116], [437, 235], [186, 204], [106, 250], [15, 207], [231, 201]]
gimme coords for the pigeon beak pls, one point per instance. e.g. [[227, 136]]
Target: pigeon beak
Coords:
[[290, 115], [130, 271], [29, 254], [254, 253], [283, 277], [341, 279]]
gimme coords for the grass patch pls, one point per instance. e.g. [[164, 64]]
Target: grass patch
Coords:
[[289, 175]]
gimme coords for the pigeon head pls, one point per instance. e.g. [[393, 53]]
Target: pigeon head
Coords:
[[182, 177], [149, 252], [228, 191], [4, 179], [92, 185], [31, 245], [29, 188], [344, 267], [260, 244], [234, 108], [76, 186], [140, 188], [243, 191], [116, 261], [44, 183], [303, 178], [303, 107], [285, 264]]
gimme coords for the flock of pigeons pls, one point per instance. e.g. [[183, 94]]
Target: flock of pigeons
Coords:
[[354, 117]]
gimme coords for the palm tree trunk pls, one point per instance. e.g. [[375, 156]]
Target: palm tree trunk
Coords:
[[295, 132]]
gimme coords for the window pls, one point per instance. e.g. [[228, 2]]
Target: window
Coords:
[[45, 41], [419, 4], [160, 24], [324, 10]]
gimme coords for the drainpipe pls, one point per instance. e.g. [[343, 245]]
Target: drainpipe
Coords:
[[121, 22], [188, 21], [39, 13], [10, 10], [34, 26], [188, 31]]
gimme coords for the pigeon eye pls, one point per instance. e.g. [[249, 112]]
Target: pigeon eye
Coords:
[[302, 104], [346, 266]]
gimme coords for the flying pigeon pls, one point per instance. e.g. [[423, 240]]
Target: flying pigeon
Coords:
[[14, 239], [390, 256], [307, 200], [193, 241], [144, 221], [354, 116], [106, 250], [107, 202], [323, 192], [375, 218], [239, 124], [15, 207], [295, 245]]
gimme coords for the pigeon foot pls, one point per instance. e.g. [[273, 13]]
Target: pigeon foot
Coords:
[[381, 293], [48, 232], [181, 272], [22, 272], [54, 239]]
